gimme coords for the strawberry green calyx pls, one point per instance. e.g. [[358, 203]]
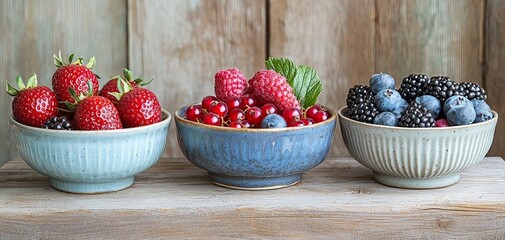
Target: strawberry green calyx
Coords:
[[32, 82], [128, 76], [123, 87], [59, 62], [72, 106]]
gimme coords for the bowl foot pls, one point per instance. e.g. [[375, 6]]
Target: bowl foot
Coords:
[[416, 183], [254, 183], [91, 187]]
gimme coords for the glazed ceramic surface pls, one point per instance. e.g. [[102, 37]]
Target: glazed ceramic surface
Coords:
[[254, 159], [416, 157], [91, 161]]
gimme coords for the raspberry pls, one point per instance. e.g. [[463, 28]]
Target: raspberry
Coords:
[[271, 87], [228, 83]]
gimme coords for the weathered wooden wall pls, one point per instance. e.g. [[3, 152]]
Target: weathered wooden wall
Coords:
[[183, 43], [32, 31]]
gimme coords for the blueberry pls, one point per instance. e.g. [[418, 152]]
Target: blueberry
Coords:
[[388, 100], [402, 107], [381, 81], [386, 118], [482, 111], [480, 104], [273, 121], [460, 115], [456, 101], [431, 103]]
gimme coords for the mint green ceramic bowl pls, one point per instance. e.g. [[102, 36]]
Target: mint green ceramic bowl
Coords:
[[416, 157], [91, 161]]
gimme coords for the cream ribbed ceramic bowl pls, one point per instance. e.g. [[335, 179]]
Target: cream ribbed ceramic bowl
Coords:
[[91, 161], [416, 158]]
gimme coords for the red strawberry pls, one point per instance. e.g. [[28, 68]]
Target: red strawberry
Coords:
[[111, 85], [271, 87], [93, 112], [73, 75], [32, 104], [137, 106], [228, 83]]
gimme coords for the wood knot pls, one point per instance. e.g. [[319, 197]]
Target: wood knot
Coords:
[[361, 190], [443, 222]]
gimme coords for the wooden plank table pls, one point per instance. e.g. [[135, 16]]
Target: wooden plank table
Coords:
[[338, 199]]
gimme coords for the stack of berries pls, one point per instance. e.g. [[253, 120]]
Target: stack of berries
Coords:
[[75, 102], [418, 102], [267, 100]]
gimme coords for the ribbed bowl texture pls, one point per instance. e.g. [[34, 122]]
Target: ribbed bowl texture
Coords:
[[416, 157], [91, 161], [254, 159]]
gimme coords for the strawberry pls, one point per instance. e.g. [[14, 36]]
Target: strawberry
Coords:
[[137, 106], [111, 85], [32, 104], [93, 112], [271, 87], [73, 75], [229, 83]]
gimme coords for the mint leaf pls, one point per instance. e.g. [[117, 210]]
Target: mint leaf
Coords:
[[284, 67], [307, 86], [303, 79]]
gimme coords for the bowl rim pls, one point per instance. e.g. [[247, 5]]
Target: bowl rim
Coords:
[[179, 119], [342, 116], [164, 114]]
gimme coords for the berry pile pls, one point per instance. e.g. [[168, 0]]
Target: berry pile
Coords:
[[74, 103], [418, 102], [267, 100], [58, 123]]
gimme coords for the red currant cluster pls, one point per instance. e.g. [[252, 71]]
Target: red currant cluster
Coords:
[[245, 112]]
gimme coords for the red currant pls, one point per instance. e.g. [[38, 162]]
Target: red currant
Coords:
[[235, 124], [233, 102], [218, 107], [296, 123], [309, 113], [307, 121], [253, 115], [194, 113], [236, 115], [320, 116], [318, 107], [211, 119], [247, 101], [206, 101], [268, 109], [291, 114], [246, 124]]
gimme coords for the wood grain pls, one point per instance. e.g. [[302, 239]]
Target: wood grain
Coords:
[[431, 37], [334, 37], [495, 71], [338, 199], [32, 31], [184, 43]]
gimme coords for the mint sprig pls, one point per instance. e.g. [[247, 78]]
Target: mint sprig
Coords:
[[303, 79], [284, 67]]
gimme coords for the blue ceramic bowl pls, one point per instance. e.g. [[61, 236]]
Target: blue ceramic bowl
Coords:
[[254, 159], [91, 161]]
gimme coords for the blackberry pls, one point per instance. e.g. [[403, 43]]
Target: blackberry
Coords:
[[442, 88], [416, 116], [413, 86], [364, 112], [472, 91], [357, 95], [58, 123]]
